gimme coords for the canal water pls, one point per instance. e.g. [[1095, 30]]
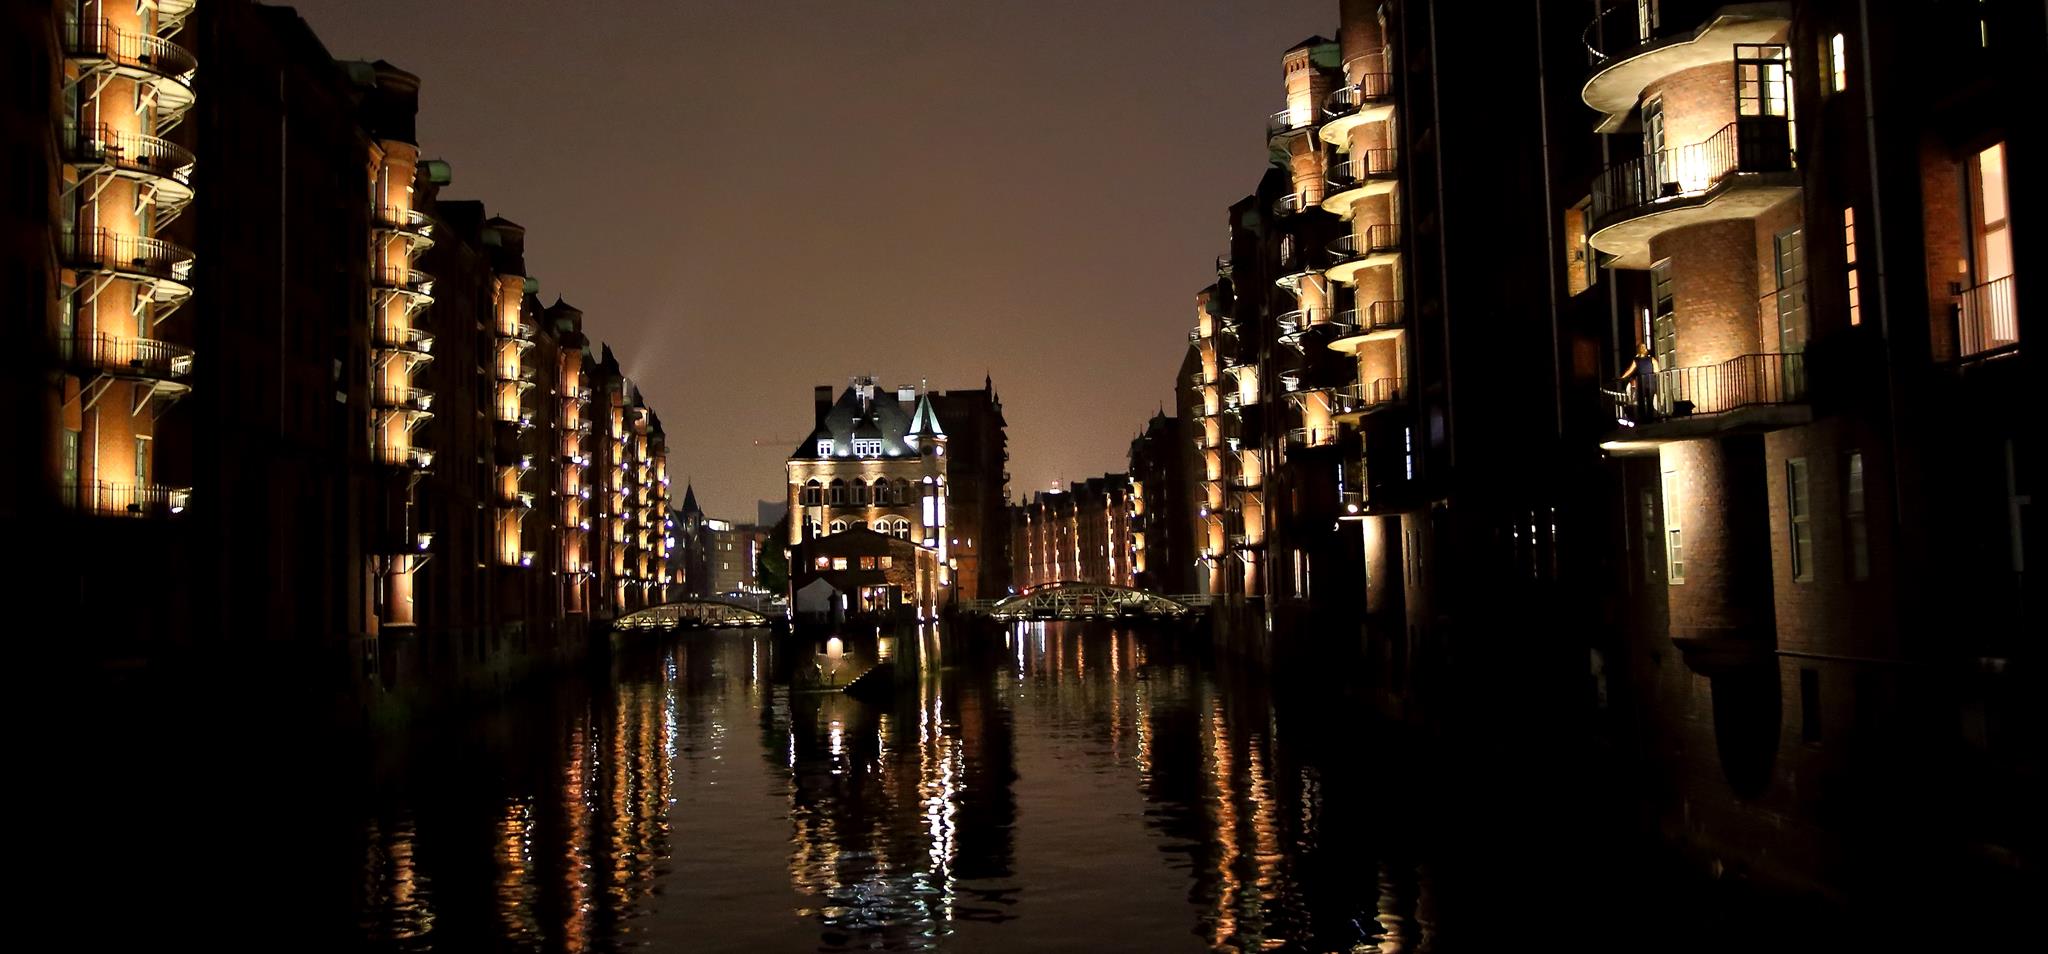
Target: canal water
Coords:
[[1075, 788]]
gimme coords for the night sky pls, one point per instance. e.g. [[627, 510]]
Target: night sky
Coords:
[[748, 198]]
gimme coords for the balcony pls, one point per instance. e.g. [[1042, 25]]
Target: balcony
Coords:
[[404, 280], [1368, 172], [411, 224], [1750, 393], [99, 498], [99, 45], [407, 457], [130, 256], [1369, 100], [1987, 322], [1377, 247], [133, 358], [1379, 321], [1295, 203], [1353, 503], [165, 164], [406, 399], [1629, 51], [393, 337], [1312, 436], [1290, 122], [1368, 397], [1738, 173], [1223, 266]]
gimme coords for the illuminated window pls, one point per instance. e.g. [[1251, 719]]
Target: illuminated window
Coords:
[[1674, 537], [1789, 248], [867, 447], [1988, 317], [825, 448], [1761, 87], [1849, 264], [1838, 64], [839, 563], [1646, 19], [888, 562], [1853, 514], [824, 562], [1580, 272], [1797, 508], [838, 526], [867, 563]]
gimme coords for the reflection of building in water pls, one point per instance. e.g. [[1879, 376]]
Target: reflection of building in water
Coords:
[[900, 816]]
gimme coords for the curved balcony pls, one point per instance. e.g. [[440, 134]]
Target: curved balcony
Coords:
[[1290, 122], [1297, 327], [1748, 393], [1378, 321], [1368, 172], [99, 45], [404, 280], [1295, 203], [101, 498], [412, 340], [166, 165], [132, 256], [1369, 100], [1378, 246], [406, 399], [1629, 53], [408, 457], [1738, 173], [132, 358], [1293, 274], [1367, 397], [411, 224]]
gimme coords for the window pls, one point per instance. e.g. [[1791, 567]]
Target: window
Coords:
[[1580, 271], [141, 463], [825, 447], [813, 494], [1809, 705], [824, 562], [860, 492], [1408, 451], [71, 489], [1988, 318], [1838, 64], [1674, 537], [1663, 328], [1760, 82], [1790, 254], [867, 447], [839, 563], [867, 563], [1853, 514], [1650, 547], [901, 529], [838, 492], [1646, 19], [1653, 146], [888, 562], [838, 526], [1849, 264], [1798, 511]]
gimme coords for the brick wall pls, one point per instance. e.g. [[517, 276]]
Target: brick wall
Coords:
[[1713, 289]]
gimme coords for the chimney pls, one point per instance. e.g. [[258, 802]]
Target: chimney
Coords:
[[823, 397]]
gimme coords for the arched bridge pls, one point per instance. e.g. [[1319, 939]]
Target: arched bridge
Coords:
[[691, 614], [1069, 600]]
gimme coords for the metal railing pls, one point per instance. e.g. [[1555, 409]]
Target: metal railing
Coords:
[[1312, 436], [1301, 318], [1751, 144], [1368, 395], [1371, 87], [100, 40], [1621, 29], [410, 456], [145, 357], [1376, 238], [1986, 317], [1353, 500], [102, 249], [403, 278], [403, 220], [1745, 381], [1377, 316], [1296, 202], [106, 499], [1364, 164], [102, 144], [1289, 120], [402, 398], [389, 335]]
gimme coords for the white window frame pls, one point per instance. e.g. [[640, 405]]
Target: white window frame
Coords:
[[1674, 539]]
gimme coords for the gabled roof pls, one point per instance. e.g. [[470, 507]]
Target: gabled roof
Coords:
[[883, 416]]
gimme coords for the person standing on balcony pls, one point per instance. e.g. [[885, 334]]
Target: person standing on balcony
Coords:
[[1641, 378]]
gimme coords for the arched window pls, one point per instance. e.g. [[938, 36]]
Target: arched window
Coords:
[[838, 526], [814, 494], [859, 525], [902, 491], [838, 492], [902, 529], [860, 491]]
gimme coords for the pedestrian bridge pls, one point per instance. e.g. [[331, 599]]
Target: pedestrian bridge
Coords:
[[1070, 600], [691, 614]]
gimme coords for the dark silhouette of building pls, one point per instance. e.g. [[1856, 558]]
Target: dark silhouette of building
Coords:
[[978, 489], [1161, 558]]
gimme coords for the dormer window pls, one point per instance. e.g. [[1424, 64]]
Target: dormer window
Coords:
[[867, 447], [825, 448]]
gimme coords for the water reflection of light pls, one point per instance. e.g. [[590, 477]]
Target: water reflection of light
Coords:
[[1224, 802], [515, 869], [938, 792]]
